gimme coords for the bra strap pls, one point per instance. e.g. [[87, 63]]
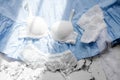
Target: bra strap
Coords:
[[71, 14]]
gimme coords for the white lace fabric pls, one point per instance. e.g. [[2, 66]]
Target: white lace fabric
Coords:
[[64, 62], [92, 22], [35, 58]]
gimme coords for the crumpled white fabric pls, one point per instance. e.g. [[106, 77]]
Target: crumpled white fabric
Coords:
[[33, 57], [63, 31], [92, 22], [36, 27]]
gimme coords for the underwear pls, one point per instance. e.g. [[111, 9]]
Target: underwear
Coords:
[[12, 44], [92, 23], [35, 28], [64, 61], [63, 31], [33, 57]]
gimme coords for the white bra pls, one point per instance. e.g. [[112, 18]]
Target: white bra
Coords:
[[36, 26], [63, 31], [60, 31]]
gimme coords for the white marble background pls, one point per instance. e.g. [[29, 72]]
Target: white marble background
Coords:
[[103, 67]]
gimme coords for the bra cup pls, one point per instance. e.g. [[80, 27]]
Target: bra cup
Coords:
[[62, 30], [36, 26]]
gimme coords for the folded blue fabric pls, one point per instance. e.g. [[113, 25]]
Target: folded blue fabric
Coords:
[[13, 13], [112, 18]]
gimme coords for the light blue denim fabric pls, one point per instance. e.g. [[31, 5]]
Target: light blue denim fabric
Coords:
[[112, 18], [51, 11]]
